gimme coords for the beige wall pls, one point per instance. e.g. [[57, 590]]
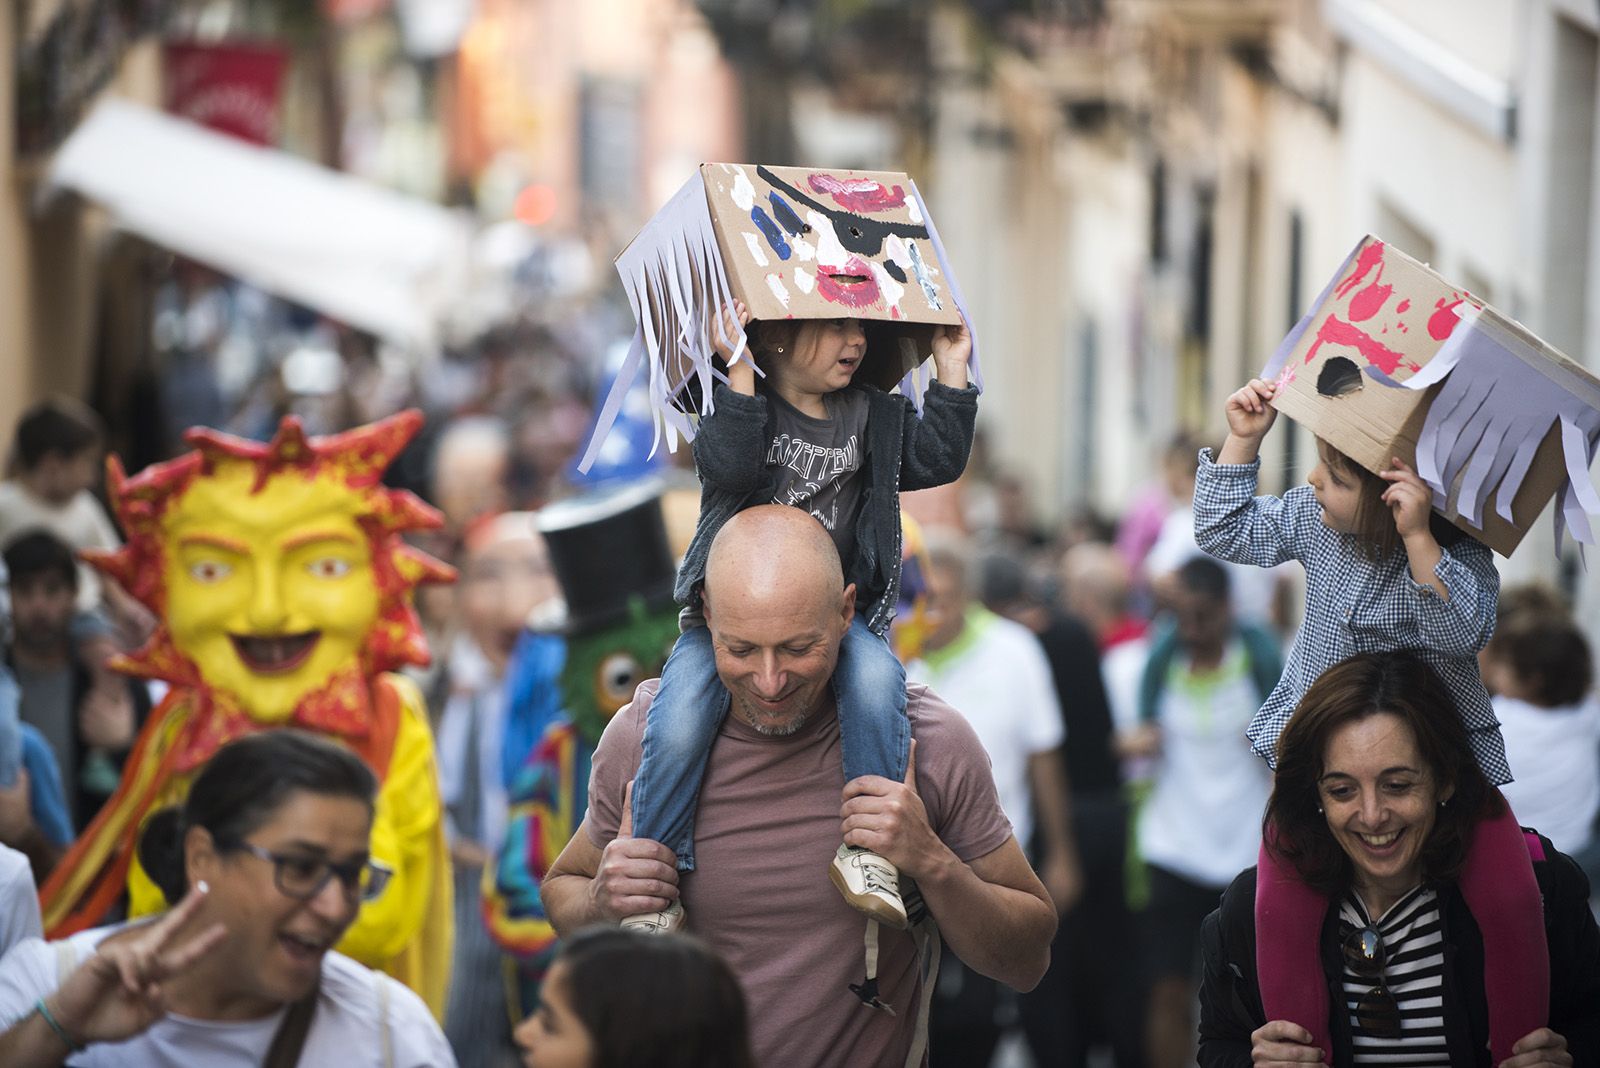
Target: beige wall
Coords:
[[1492, 207], [1486, 34], [14, 289], [49, 259], [535, 56], [1106, 243], [1001, 213]]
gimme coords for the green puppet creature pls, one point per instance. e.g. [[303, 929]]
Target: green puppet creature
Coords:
[[610, 553]]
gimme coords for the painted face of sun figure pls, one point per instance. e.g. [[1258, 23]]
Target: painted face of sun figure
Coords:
[[271, 593], [276, 569]]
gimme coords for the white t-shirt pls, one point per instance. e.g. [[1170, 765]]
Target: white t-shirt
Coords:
[[82, 523], [1122, 670], [19, 900], [996, 675], [1203, 818], [345, 1031], [1555, 755]]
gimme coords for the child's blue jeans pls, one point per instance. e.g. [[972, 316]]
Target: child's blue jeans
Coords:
[[869, 685]]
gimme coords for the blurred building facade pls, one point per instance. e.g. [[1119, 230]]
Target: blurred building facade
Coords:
[[1155, 189], [602, 109], [568, 123], [56, 56], [1142, 195]]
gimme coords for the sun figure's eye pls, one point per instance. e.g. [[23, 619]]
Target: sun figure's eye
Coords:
[[329, 567], [209, 571]]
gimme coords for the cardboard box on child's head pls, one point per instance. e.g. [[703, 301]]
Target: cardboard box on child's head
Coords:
[[818, 243], [1379, 324]]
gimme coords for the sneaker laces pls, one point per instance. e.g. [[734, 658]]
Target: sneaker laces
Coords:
[[877, 874]]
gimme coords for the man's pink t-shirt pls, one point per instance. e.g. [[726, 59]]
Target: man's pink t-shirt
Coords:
[[766, 830]]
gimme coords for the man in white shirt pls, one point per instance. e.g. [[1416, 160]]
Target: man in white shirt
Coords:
[[1200, 824], [996, 673]]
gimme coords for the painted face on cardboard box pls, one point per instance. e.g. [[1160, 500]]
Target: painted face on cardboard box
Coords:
[[820, 241]]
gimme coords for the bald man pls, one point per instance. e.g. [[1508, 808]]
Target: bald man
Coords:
[[771, 811]]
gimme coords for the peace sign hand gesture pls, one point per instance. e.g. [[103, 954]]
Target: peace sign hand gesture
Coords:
[[119, 992]]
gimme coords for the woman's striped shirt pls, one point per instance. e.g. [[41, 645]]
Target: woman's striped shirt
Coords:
[[1413, 972]]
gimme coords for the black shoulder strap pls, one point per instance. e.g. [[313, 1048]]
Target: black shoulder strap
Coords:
[[290, 1038]]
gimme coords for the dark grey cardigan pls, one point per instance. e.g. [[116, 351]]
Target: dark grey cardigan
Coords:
[[903, 453]]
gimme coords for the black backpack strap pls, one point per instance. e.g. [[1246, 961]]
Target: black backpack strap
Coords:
[[290, 1038]]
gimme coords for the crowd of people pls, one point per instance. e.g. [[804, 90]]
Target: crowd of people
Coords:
[[1034, 815]]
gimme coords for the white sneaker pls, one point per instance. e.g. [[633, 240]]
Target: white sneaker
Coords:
[[666, 921], [869, 883]]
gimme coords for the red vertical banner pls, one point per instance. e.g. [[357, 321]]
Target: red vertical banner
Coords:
[[233, 88]]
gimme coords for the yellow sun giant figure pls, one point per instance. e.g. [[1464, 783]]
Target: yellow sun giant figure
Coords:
[[283, 592]]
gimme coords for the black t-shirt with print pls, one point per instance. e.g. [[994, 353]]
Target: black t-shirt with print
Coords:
[[820, 462]]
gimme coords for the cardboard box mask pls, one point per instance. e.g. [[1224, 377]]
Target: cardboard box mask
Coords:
[[1392, 360], [801, 243], [791, 243]]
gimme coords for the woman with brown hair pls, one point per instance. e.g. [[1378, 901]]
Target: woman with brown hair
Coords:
[[1375, 803]]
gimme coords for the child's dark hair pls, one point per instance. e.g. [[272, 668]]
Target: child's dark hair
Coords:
[[240, 789], [58, 426], [655, 1001], [770, 336], [1204, 577], [1536, 598], [1375, 533], [39, 553], [1547, 653]]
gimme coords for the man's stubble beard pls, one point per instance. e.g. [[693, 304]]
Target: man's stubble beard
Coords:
[[797, 720]]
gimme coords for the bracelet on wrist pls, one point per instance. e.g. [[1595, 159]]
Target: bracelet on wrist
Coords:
[[44, 1012]]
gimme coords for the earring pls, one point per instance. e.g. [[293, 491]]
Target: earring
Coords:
[[780, 348], [1319, 809]]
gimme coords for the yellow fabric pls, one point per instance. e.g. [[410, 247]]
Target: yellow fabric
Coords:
[[111, 829], [407, 932]]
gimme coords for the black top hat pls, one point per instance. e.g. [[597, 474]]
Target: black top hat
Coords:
[[609, 551]]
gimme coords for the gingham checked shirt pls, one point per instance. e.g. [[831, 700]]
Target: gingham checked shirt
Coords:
[[1355, 605]]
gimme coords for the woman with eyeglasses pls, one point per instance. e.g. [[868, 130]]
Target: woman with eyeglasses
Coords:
[[1375, 800], [266, 866]]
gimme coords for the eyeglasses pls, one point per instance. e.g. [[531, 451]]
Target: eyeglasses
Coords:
[[303, 877], [1377, 1012]]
